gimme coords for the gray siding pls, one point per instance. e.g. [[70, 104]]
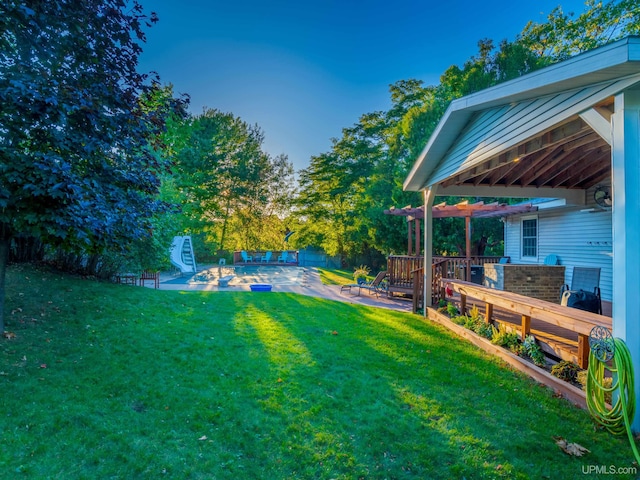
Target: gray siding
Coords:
[[578, 238]]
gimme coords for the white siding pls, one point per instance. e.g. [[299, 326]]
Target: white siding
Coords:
[[578, 239]]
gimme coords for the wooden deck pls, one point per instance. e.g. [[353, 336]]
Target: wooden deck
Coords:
[[258, 255]]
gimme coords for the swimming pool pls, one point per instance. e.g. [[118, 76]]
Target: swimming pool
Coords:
[[250, 274]]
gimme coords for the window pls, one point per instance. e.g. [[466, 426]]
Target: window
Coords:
[[530, 237]]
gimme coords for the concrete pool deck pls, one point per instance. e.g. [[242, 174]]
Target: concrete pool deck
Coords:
[[310, 285]]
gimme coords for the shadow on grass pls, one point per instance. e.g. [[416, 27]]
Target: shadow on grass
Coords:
[[143, 383]]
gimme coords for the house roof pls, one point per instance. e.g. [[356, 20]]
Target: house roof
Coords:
[[532, 135]]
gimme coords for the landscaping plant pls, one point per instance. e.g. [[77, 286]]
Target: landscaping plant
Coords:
[[566, 370], [533, 351], [505, 338]]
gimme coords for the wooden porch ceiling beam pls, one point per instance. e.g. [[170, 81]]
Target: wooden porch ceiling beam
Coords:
[[523, 165], [509, 174], [572, 153], [563, 170], [527, 169], [576, 178], [573, 130], [545, 165]]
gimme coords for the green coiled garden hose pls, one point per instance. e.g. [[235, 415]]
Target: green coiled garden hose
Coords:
[[612, 355]]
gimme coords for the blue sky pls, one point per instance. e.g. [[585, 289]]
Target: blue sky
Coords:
[[304, 70]]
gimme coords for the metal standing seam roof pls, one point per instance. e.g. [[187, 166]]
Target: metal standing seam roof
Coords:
[[480, 126]]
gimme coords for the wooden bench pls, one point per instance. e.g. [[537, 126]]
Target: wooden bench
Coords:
[[127, 278], [150, 277], [578, 321], [224, 281]]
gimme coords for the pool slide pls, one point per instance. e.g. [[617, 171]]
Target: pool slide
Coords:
[[181, 255]]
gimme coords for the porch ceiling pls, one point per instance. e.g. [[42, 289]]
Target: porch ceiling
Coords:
[[571, 155]]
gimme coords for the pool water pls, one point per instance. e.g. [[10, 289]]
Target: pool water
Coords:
[[249, 274]]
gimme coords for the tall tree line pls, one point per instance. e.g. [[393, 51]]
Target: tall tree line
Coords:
[[345, 190], [232, 194]]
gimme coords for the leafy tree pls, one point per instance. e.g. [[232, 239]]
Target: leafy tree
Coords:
[[563, 36], [231, 191], [76, 138]]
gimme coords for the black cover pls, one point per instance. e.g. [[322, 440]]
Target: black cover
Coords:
[[584, 301]]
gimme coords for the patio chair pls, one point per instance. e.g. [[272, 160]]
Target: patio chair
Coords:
[[266, 258], [282, 258], [551, 260], [585, 290], [377, 285], [246, 257]]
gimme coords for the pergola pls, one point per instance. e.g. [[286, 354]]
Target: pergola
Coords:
[[552, 133], [459, 210]]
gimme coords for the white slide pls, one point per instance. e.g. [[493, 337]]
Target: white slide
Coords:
[[182, 256]]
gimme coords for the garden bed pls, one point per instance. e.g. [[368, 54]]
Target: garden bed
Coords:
[[568, 391]]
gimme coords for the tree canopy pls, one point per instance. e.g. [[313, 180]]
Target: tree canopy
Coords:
[[78, 125], [233, 194]]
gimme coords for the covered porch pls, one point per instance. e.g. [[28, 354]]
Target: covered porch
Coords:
[[557, 133]]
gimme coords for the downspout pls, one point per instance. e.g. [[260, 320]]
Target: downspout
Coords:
[[429, 196]]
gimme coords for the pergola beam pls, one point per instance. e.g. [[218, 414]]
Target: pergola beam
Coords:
[[463, 209]]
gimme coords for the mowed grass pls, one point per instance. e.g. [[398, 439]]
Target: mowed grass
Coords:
[[336, 277], [121, 382]]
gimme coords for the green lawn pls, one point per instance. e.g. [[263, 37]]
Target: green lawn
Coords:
[[332, 276], [120, 382]]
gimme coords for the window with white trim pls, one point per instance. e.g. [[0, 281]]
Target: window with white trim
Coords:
[[529, 237]]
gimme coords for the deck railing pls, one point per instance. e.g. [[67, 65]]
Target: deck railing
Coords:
[[401, 268], [405, 274], [579, 321], [460, 267]]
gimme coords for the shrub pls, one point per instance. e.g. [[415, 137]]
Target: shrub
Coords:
[[517, 349], [533, 351], [460, 319], [503, 338], [442, 306], [484, 329], [565, 370], [452, 310], [476, 323]]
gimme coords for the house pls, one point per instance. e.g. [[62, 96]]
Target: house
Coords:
[[578, 235], [559, 133]]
